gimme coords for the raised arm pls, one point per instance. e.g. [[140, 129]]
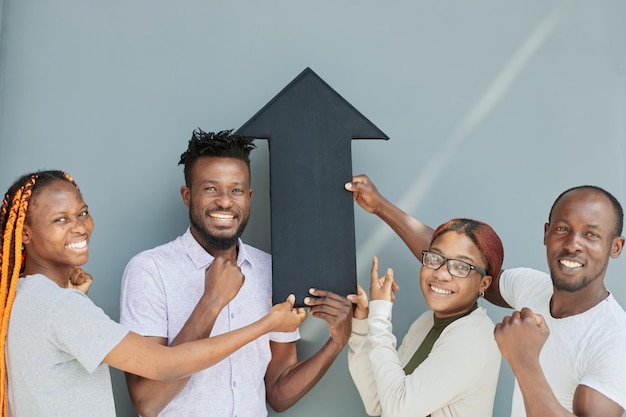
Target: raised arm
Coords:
[[415, 234], [223, 279], [520, 338]]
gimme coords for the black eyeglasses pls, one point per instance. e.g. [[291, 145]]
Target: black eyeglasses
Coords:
[[457, 268]]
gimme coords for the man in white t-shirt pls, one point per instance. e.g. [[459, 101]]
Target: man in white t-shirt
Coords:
[[566, 341]]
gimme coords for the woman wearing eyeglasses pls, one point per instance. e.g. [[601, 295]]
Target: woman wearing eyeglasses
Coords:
[[448, 362]]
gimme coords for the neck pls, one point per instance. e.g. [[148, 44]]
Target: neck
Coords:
[[564, 304], [230, 252], [59, 276]]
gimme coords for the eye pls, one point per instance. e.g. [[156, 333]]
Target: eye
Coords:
[[433, 258], [60, 220], [211, 189], [83, 213], [237, 191], [461, 266], [561, 229], [592, 235]]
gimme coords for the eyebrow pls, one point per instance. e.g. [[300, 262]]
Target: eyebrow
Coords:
[[64, 212], [463, 258], [214, 182]]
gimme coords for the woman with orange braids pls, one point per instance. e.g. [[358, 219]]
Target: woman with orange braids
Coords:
[[448, 362], [57, 343]]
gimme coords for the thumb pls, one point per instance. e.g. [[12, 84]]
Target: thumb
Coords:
[[291, 299], [389, 281], [539, 321]]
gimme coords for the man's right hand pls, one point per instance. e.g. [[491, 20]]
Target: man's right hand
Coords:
[[222, 280]]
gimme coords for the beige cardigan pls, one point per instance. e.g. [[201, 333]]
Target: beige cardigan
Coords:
[[458, 379]]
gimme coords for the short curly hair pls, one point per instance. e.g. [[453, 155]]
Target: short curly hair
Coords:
[[222, 144]]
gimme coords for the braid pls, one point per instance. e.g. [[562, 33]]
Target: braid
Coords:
[[12, 218]]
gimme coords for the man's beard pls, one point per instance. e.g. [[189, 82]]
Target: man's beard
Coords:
[[217, 242], [569, 286]]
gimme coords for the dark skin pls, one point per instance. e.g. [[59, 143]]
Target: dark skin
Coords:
[[56, 239], [580, 239], [218, 197]]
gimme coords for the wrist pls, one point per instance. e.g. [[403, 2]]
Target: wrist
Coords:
[[360, 314]]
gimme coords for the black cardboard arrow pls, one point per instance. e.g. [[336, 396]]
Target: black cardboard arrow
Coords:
[[309, 128]]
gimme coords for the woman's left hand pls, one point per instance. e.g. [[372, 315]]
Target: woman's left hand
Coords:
[[80, 280], [383, 288]]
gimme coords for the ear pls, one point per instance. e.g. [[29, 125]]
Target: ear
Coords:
[[616, 247], [546, 229], [185, 192], [485, 282], [25, 234]]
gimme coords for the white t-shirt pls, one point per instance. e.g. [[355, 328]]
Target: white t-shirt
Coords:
[[587, 348]]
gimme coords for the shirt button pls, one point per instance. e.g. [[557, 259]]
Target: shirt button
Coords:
[[234, 383]]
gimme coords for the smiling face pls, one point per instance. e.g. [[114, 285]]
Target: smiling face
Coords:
[[56, 231], [218, 198], [579, 240], [445, 294]]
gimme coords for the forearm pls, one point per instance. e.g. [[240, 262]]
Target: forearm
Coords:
[[137, 355], [295, 381], [415, 234], [360, 367], [149, 396], [539, 400]]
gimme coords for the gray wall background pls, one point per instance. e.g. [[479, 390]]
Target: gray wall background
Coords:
[[493, 108]]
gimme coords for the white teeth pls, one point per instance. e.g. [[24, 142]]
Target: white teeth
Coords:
[[440, 290], [571, 264], [222, 216], [77, 245]]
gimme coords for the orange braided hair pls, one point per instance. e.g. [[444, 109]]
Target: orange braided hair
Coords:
[[12, 217]]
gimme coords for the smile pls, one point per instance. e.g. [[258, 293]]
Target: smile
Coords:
[[77, 245], [570, 264], [440, 290], [221, 216]]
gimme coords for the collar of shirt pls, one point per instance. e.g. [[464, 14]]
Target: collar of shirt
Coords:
[[202, 259]]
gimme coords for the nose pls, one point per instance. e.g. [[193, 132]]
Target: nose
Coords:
[[442, 273], [224, 199], [79, 226], [572, 242]]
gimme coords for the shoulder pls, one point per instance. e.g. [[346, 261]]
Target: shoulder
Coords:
[[168, 253], [166, 249], [611, 320], [477, 322], [525, 287], [525, 274]]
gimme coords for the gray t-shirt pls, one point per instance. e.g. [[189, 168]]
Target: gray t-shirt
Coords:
[[57, 339]]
